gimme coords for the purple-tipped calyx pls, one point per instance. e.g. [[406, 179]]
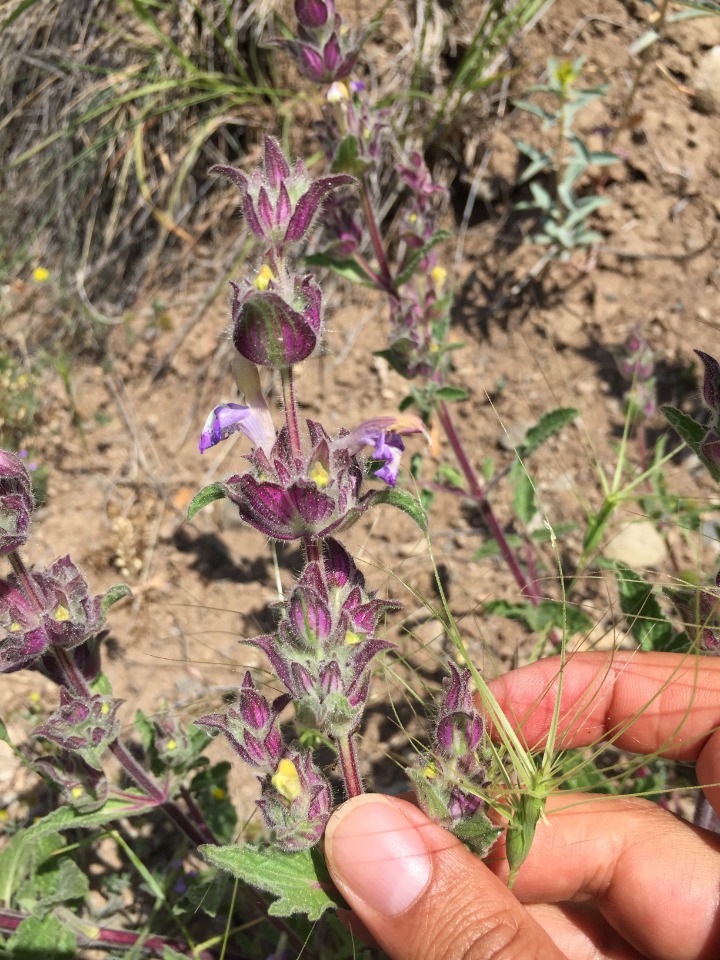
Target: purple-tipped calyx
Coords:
[[711, 386], [252, 727], [280, 204]]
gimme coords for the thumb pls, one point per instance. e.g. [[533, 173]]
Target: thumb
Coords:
[[419, 892]]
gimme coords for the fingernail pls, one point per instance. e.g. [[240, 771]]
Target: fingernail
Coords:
[[376, 854]]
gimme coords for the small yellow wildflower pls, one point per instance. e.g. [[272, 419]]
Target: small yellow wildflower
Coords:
[[76, 793], [287, 781], [218, 793], [34, 697], [171, 745], [40, 274]]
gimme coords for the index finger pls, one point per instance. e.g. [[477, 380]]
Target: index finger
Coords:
[[642, 702]]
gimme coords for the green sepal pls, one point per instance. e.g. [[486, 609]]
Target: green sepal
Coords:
[[213, 491], [300, 881]]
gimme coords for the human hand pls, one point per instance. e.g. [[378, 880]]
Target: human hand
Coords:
[[606, 879]]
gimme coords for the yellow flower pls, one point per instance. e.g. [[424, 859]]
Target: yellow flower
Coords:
[[218, 793], [287, 780], [319, 475], [439, 275], [40, 274], [262, 280], [351, 638]]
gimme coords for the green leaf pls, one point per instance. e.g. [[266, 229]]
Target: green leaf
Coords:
[[644, 41], [347, 158], [14, 860], [523, 493], [451, 394], [348, 269], [584, 208], [404, 501], [411, 264], [46, 939], [542, 198], [550, 424], [603, 158], [689, 430], [213, 491], [118, 592], [300, 880], [533, 108], [4, 735], [542, 618], [67, 818], [647, 623]]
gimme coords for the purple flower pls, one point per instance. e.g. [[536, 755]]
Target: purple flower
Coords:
[[383, 434], [296, 802], [16, 503], [83, 725], [252, 727], [228, 418], [281, 204], [417, 176]]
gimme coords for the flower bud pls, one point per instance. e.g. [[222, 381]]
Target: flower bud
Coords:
[[279, 326], [280, 204], [711, 384], [296, 802], [16, 502], [83, 725]]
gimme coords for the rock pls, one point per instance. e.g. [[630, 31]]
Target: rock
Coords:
[[638, 545], [707, 82]]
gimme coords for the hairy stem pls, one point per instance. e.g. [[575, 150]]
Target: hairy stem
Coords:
[[291, 413], [108, 937], [349, 765], [529, 589]]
